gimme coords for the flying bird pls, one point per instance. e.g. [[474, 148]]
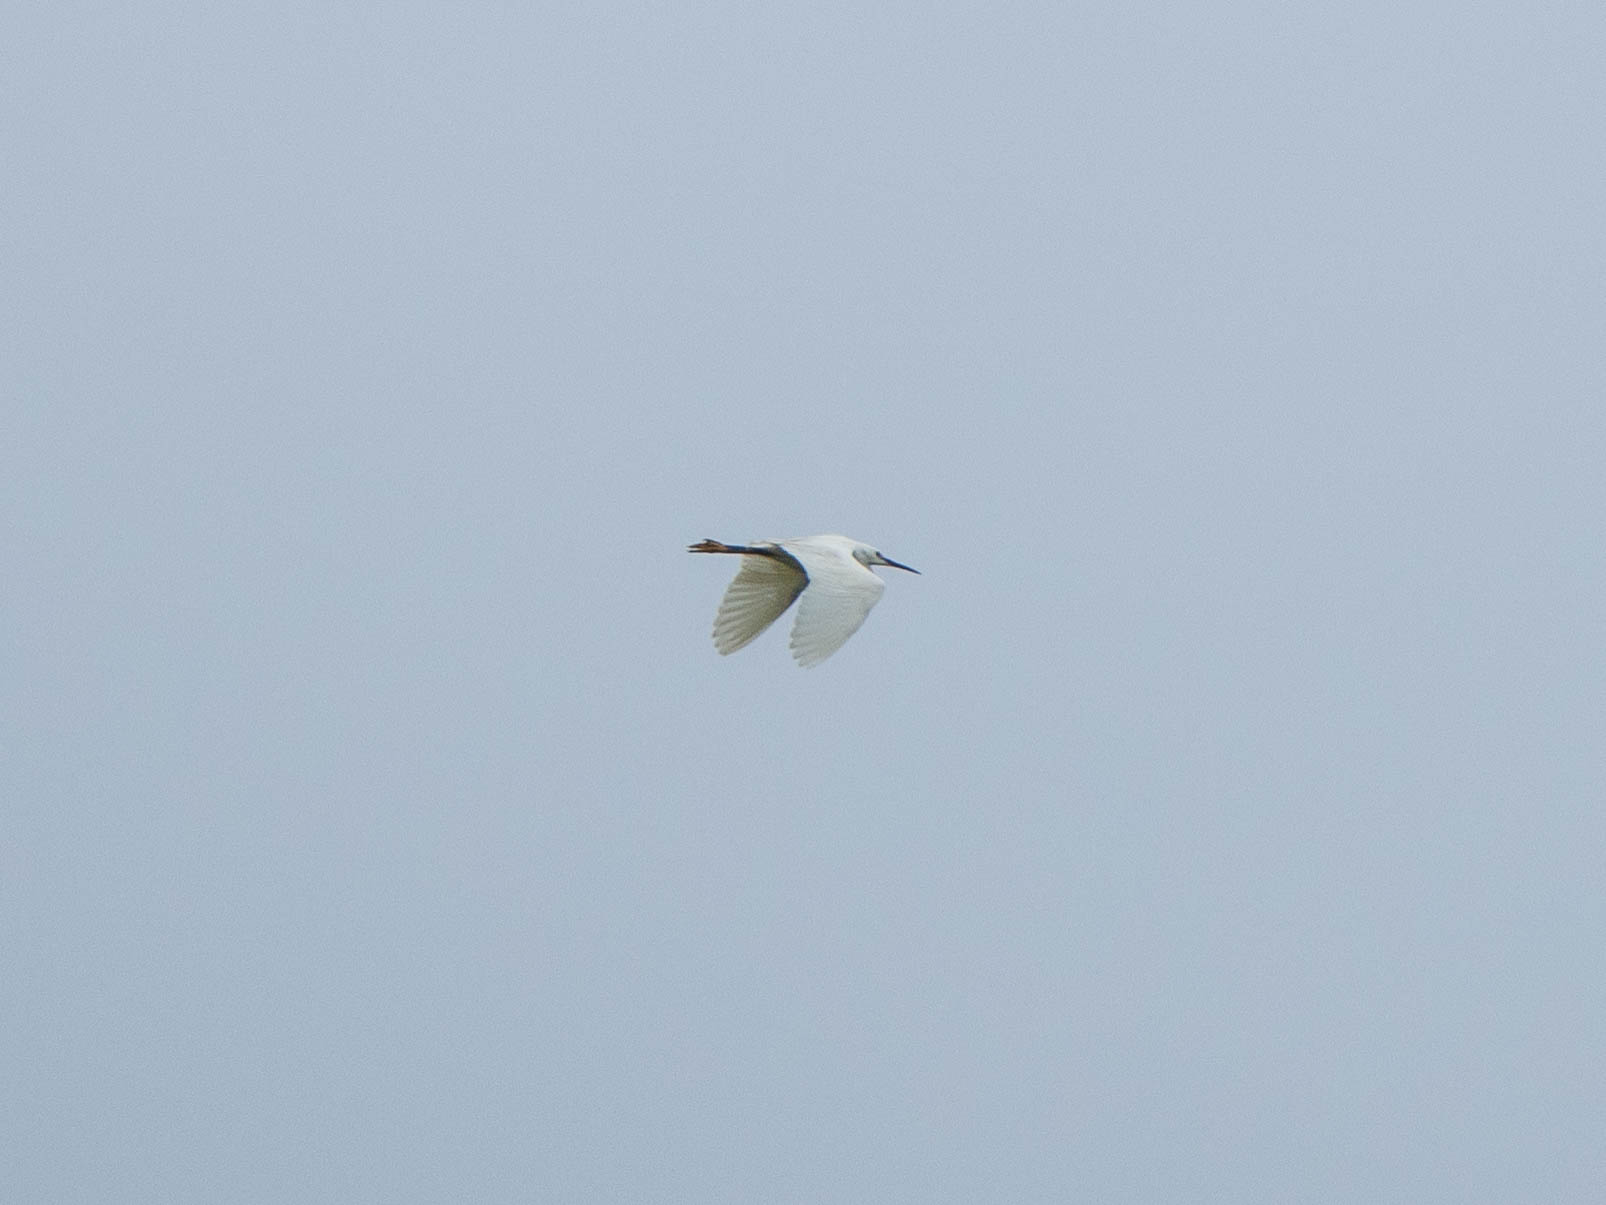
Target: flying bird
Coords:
[[830, 573]]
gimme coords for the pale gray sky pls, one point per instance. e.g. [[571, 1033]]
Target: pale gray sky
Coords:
[[1219, 818]]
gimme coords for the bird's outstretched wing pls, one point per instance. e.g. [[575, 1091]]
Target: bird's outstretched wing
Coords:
[[762, 589], [840, 594]]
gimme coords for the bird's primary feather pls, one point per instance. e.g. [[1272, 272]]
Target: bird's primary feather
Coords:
[[758, 595], [840, 594]]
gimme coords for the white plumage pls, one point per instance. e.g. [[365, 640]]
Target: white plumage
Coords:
[[831, 573]]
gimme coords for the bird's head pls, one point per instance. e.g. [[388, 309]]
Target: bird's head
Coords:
[[868, 556]]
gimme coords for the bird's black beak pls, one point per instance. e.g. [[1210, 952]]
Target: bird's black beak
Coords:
[[895, 565]]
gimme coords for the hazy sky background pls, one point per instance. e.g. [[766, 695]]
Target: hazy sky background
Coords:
[[1218, 818]]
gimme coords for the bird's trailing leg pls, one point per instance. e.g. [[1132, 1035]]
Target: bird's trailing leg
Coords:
[[712, 546], [739, 549]]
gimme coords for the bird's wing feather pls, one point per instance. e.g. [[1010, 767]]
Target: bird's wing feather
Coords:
[[761, 590], [840, 594]]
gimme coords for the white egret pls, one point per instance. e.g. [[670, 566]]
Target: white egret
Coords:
[[832, 573]]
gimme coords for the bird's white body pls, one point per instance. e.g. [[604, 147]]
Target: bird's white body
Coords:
[[830, 573]]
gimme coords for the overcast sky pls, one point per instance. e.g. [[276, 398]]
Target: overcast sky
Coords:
[[1218, 818]]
